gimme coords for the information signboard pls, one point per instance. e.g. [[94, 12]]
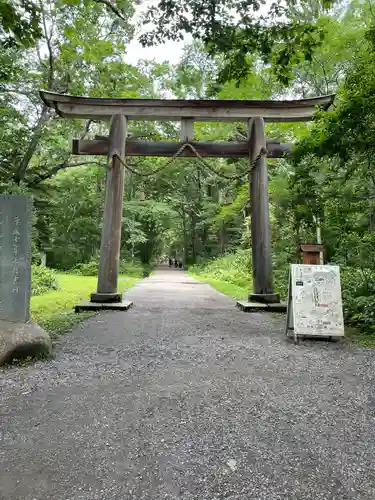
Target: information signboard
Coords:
[[314, 301]]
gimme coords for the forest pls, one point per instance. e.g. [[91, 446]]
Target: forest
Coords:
[[198, 212]]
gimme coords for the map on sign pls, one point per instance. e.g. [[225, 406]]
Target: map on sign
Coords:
[[314, 301]]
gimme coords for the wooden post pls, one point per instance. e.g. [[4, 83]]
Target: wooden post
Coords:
[[112, 220], [187, 130], [260, 223]]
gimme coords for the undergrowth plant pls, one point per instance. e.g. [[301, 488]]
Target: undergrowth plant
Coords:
[[43, 280]]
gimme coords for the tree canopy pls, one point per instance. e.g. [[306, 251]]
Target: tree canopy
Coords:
[[242, 30]]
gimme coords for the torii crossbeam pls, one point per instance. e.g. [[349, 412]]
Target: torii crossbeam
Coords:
[[120, 111], [204, 110]]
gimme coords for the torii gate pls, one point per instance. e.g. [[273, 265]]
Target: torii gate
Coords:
[[119, 111]]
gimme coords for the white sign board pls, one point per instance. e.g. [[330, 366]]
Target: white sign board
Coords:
[[314, 301]]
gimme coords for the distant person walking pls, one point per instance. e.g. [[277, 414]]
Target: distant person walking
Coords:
[[170, 262]]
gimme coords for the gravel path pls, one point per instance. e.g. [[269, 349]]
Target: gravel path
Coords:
[[186, 397]]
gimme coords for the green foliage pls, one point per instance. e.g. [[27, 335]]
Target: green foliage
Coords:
[[349, 129], [231, 220], [334, 181], [234, 268], [280, 280], [86, 269], [231, 274], [19, 23], [43, 280], [358, 292], [134, 269], [149, 221], [230, 289], [72, 290], [25, 23], [236, 30], [58, 323]]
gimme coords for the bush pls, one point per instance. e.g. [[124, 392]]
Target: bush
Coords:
[[236, 268], [86, 269], [134, 269], [281, 280], [43, 280], [233, 268], [358, 294]]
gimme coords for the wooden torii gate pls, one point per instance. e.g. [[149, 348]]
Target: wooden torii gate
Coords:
[[120, 111]]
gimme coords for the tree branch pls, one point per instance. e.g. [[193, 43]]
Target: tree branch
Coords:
[[33, 144], [369, 4], [16, 91], [112, 8], [86, 129], [49, 46], [325, 76], [59, 167]]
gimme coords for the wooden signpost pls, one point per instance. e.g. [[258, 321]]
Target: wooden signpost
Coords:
[[314, 302]]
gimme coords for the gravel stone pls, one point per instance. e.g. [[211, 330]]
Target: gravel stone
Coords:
[[186, 397]]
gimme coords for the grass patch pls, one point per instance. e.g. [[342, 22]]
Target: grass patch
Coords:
[[54, 312], [361, 338], [234, 291], [232, 268], [58, 323], [133, 269], [229, 274]]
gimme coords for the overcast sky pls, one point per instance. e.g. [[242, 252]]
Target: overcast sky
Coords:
[[169, 51]]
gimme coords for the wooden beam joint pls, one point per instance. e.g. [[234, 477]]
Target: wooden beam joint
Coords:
[[187, 130]]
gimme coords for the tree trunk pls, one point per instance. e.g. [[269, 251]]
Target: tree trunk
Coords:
[[371, 205], [33, 144], [193, 237], [185, 235], [43, 259]]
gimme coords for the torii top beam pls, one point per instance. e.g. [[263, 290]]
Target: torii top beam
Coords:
[[100, 108]]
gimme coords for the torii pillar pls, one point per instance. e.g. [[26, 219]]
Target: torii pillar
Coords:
[[107, 295], [263, 291]]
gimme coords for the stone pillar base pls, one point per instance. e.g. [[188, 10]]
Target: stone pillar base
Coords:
[[265, 298], [124, 305], [106, 297]]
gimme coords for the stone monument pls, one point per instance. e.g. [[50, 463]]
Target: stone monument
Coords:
[[18, 336]]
